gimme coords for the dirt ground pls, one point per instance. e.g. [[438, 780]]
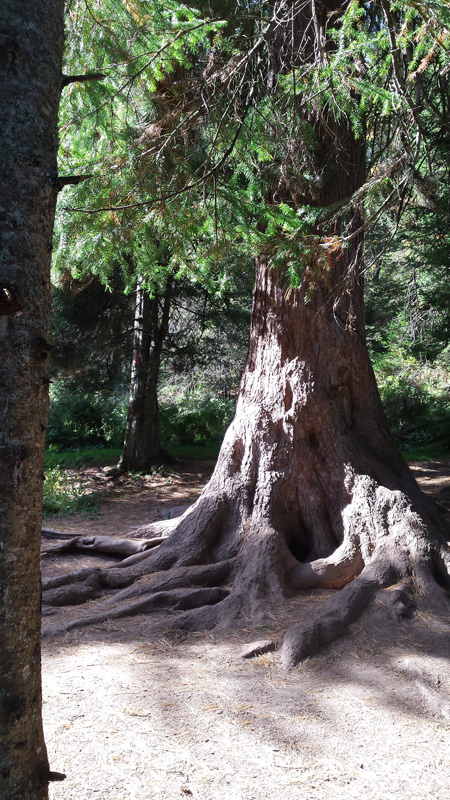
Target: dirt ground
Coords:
[[134, 714]]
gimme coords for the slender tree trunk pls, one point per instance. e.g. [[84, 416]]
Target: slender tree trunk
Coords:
[[142, 447], [31, 44]]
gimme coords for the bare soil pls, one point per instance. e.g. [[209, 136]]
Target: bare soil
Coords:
[[135, 713]]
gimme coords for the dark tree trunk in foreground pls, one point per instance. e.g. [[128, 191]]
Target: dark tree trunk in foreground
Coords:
[[31, 43], [309, 491], [142, 447]]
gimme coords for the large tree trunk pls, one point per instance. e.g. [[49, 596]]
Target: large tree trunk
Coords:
[[309, 491], [142, 447], [31, 43]]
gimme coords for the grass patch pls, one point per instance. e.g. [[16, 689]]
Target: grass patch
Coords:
[[65, 495], [430, 452], [81, 457]]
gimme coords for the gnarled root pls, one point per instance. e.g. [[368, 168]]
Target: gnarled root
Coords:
[[216, 567], [179, 589], [176, 600], [102, 544], [340, 611], [409, 559]]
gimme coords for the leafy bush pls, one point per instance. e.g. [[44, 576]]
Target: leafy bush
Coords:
[[405, 404], [65, 495], [416, 399], [82, 417], [195, 421]]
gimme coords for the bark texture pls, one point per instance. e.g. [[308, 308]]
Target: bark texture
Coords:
[[142, 447], [31, 44]]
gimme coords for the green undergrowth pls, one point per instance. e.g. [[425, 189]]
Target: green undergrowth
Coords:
[[81, 457], [426, 452], [65, 495], [194, 420], [95, 423], [109, 456], [416, 400], [194, 452]]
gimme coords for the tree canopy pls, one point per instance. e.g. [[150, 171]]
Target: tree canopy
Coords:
[[207, 115]]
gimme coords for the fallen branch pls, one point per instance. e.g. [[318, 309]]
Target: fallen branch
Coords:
[[49, 533], [102, 544]]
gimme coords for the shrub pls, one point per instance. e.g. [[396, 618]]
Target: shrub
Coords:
[[65, 495], [195, 421], [416, 399], [82, 417]]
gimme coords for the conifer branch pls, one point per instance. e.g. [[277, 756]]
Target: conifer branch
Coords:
[[129, 82], [90, 76], [58, 181], [171, 195]]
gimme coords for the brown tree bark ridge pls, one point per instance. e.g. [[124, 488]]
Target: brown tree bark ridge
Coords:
[[31, 45]]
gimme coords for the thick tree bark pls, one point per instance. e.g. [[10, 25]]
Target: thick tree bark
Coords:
[[31, 44], [142, 447]]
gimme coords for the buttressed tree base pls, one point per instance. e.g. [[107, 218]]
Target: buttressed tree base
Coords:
[[309, 492]]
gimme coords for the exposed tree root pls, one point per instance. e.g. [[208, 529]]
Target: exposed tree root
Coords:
[[208, 575], [216, 567], [407, 551], [154, 530], [176, 600], [102, 544], [60, 592], [340, 611], [50, 533]]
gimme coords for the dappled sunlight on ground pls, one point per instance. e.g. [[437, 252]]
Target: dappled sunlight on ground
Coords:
[[133, 716]]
